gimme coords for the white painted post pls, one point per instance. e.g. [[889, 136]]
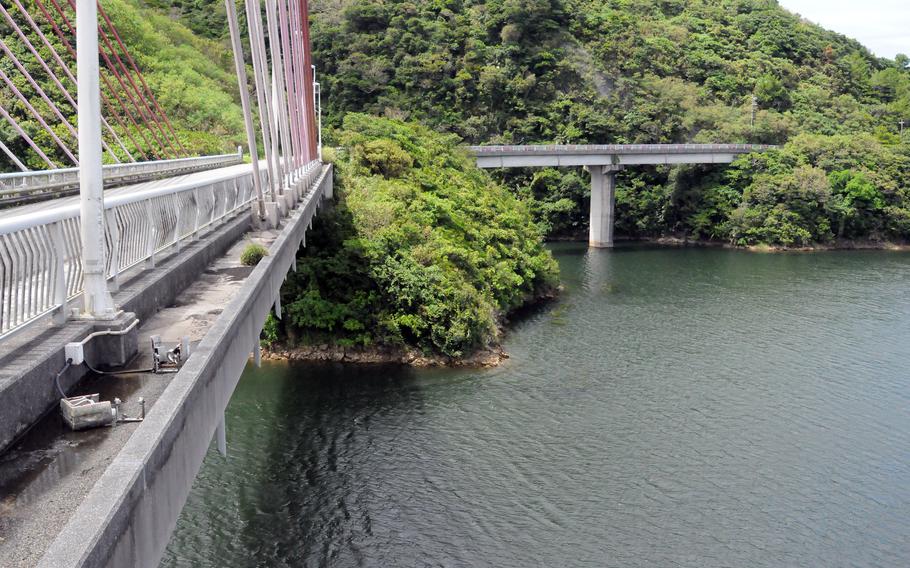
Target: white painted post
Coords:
[[98, 302]]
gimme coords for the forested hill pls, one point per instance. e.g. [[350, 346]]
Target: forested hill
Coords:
[[593, 71], [603, 70], [645, 71]]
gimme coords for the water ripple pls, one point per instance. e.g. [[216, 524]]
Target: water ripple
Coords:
[[686, 408]]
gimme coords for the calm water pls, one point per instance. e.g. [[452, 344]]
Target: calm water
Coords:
[[675, 408]]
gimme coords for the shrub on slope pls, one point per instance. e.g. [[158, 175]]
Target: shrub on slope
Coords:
[[422, 248]]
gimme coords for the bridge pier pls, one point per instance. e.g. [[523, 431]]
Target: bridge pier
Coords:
[[603, 203]]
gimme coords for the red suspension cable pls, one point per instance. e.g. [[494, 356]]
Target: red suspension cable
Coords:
[[59, 83], [151, 95], [63, 39], [151, 119], [142, 131]]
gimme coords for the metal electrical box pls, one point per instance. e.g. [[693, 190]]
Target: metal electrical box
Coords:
[[75, 352]]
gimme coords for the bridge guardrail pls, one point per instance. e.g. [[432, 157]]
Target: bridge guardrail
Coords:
[[615, 148], [22, 185], [41, 252]]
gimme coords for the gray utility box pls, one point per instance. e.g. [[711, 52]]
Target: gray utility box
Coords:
[[83, 412]]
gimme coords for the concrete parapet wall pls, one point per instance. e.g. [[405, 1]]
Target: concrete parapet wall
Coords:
[[128, 517]]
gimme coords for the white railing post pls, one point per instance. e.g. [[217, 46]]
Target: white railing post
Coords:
[[196, 216], [177, 218], [56, 233], [114, 230], [213, 216], [152, 237]]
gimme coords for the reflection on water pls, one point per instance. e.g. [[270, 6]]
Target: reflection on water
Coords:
[[673, 408]]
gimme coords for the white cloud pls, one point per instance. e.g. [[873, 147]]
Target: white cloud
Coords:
[[881, 25]]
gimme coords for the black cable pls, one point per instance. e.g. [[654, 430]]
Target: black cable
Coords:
[[124, 372], [69, 363]]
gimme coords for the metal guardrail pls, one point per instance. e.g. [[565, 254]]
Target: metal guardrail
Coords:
[[41, 252], [21, 187], [616, 149]]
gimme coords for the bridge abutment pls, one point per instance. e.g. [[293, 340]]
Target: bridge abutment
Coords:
[[603, 205]]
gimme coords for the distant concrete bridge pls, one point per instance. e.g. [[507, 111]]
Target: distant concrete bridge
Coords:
[[603, 161]]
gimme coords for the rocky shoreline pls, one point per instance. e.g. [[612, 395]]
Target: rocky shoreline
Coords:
[[675, 241], [487, 357]]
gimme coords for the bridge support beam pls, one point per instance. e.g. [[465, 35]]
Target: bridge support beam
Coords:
[[603, 201]]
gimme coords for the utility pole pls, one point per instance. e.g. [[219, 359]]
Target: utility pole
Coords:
[[97, 300], [902, 130]]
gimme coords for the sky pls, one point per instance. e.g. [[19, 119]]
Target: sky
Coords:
[[881, 25]]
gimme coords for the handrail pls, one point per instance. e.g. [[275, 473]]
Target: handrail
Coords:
[[23, 184], [41, 251], [115, 167], [617, 149]]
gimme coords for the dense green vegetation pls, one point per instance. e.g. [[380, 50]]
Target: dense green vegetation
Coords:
[[585, 71], [192, 78], [422, 248], [252, 254], [642, 71]]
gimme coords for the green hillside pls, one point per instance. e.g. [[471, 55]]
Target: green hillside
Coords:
[[644, 71], [585, 71], [601, 70], [421, 250]]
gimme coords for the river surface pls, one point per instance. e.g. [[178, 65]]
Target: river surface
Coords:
[[685, 407]]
